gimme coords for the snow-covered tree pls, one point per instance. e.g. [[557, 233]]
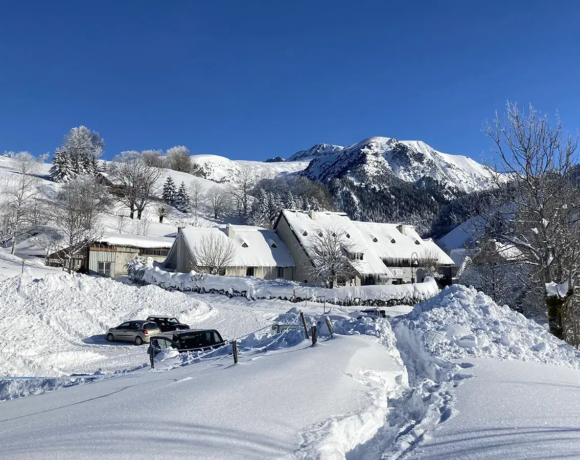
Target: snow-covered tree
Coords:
[[19, 207], [541, 219], [242, 186], [181, 202], [333, 257], [218, 200], [134, 181], [76, 215], [162, 211], [196, 197], [179, 158], [154, 158], [78, 155], [260, 213], [169, 191]]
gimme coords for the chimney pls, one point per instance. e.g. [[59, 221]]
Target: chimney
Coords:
[[230, 230], [312, 214], [402, 228]]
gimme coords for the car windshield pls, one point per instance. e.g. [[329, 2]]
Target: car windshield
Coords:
[[149, 326]]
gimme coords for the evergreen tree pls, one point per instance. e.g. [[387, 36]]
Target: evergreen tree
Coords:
[[78, 155], [259, 214], [61, 169], [275, 205], [169, 191], [182, 199], [289, 200]]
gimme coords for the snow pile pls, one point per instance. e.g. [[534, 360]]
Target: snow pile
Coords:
[[255, 288], [55, 325], [462, 322]]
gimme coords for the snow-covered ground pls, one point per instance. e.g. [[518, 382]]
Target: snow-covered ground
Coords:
[[457, 377]]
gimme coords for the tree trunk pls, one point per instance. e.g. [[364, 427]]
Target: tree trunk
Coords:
[[139, 212], [160, 219], [555, 304], [132, 214]]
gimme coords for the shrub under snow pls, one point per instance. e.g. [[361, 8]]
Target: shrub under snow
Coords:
[[255, 288], [462, 322]]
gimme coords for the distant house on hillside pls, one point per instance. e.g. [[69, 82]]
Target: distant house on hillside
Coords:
[[256, 251], [381, 253], [111, 254]]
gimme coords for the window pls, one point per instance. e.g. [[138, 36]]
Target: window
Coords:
[[244, 245], [274, 245], [375, 239], [347, 235], [133, 326], [150, 326], [393, 240], [320, 234], [154, 252], [305, 233], [280, 272], [417, 242], [250, 271], [124, 326], [104, 268]]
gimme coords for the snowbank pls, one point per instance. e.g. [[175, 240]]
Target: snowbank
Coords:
[[462, 322], [55, 326], [255, 288]]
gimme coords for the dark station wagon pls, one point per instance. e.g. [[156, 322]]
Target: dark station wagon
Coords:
[[188, 340]]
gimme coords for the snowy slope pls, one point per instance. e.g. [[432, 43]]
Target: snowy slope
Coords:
[[411, 161], [316, 151]]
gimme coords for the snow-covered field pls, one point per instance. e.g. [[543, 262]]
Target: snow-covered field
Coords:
[[457, 377]]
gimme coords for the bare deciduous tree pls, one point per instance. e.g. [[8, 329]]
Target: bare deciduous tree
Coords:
[[162, 211], [219, 201], [20, 207], [214, 253], [135, 181], [333, 257], [242, 187], [77, 212], [196, 197], [541, 219]]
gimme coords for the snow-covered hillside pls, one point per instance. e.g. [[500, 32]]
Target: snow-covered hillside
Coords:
[[411, 161]]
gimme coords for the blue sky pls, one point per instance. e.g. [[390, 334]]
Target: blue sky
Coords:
[[256, 79]]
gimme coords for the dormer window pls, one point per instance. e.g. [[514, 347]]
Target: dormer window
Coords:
[[305, 233], [393, 240], [417, 242], [273, 245], [347, 235], [244, 245], [375, 239], [320, 234]]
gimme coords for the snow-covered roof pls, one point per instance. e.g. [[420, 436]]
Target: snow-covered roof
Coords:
[[305, 228], [136, 241], [377, 241], [254, 246], [389, 241]]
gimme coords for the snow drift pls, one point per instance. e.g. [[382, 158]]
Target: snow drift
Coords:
[[255, 288], [53, 326], [462, 322]]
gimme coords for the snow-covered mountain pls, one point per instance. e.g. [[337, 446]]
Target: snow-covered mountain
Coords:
[[410, 161], [318, 150]]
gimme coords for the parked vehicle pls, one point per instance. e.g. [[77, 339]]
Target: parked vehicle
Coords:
[[139, 332], [279, 328], [189, 340], [168, 323], [373, 313]]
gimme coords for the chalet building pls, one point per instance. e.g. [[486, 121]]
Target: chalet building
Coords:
[[111, 254], [256, 251], [381, 253]]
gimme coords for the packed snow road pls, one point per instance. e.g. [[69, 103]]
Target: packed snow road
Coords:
[[302, 401]]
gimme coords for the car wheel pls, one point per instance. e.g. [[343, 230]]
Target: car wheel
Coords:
[[138, 341], [110, 338]]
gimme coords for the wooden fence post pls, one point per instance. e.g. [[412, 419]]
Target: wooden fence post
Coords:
[[235, 350], [329, 324], [314, 335], [304, 324]]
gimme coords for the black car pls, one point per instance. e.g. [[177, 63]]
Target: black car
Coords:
[[190, 340], [168, 323]]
